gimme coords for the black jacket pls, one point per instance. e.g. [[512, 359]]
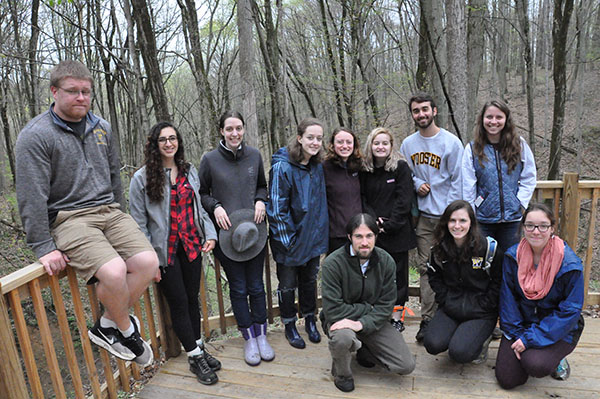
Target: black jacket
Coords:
[[389, 195], [343, 196], [465, 290]]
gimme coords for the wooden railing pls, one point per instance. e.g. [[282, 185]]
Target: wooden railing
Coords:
[[62, 314]]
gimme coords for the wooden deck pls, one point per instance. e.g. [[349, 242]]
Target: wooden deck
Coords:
[[307, 374]]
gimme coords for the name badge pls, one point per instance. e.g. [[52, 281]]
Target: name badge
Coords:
[[478, 201]]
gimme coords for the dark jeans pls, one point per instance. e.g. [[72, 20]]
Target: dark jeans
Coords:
[[246, 285], [537, 362], [401, 259], [180, 284], [303, 277], [507, 233], [463, 340]]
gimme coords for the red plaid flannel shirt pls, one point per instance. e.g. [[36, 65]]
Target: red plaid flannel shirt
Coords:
[[183, 228]]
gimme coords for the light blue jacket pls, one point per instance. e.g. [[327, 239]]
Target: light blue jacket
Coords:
[[496, 195], [154, 217], [297, 210], [543, 322]]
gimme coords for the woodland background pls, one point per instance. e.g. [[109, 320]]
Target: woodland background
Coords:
[[348, 62]]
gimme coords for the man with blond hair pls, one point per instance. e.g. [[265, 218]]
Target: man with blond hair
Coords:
[[70, 200]]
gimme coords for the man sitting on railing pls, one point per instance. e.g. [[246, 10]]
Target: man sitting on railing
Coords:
[[70, 199], [359, 292]]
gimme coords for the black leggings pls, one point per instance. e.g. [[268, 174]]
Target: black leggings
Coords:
[[401, 259], [180, 284]]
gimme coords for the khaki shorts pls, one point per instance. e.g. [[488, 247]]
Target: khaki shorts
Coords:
[[94, 236]]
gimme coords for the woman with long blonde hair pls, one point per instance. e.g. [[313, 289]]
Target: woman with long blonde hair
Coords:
[[387, 194]]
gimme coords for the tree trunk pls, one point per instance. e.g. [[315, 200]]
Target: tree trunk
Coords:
[[436, 66], [332, 64], [147, 41], [246, 65], [196, 61], [457, 62], [522, 7], [560, 29], [477, 15]]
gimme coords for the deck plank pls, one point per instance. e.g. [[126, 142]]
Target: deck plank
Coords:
[[307, 374]]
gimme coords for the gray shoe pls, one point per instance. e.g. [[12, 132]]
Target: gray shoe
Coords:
[[483, 355], [266, 352], [563, 371], [251, 351]]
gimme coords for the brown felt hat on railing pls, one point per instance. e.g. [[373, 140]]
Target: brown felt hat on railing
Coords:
[[244, 239]]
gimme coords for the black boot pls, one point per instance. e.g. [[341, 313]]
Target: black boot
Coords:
[[291, 333], [311, 328]]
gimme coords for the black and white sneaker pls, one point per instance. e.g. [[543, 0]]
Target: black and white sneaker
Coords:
[[212, 362], [200, 367], [139, 347], [111, 340]]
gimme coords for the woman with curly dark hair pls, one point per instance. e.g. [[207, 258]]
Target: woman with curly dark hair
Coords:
[[165, 202], [342, 163], [466, 283], [498, 174]]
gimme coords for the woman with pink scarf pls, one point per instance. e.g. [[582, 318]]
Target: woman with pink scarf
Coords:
[[540, 303]]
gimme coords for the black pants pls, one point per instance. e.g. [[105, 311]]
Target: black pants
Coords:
[[304, 278], [401, 259], [180, 284], [463, 339]]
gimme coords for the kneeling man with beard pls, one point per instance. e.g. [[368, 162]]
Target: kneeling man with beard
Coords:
[[359, 292]]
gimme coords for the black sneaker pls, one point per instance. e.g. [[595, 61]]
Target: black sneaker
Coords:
[[200, 367], [139, 347], [344, 384], [397, 324], [422, 329], [212, 362], [111, 340]]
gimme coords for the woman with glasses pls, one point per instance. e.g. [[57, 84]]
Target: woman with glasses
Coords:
[[233, 179], [165, 202], [465, 273], [540, 303], [498, 174]]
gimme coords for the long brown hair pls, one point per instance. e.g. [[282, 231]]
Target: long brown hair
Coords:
[[444, 246], [355, 160], [510, 142], [155, 173], [295, 148]]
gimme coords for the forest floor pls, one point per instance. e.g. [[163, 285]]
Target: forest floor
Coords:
[[14, 253]]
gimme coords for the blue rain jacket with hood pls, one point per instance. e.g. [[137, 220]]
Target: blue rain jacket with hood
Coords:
[[297, 210]]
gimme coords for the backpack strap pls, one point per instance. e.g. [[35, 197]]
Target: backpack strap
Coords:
[[490, 252]]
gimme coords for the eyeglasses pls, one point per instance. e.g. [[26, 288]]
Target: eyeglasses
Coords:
[[75, 93], [163, 140], [529, 227]]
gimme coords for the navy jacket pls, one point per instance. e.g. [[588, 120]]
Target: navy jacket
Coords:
[[543, 322], [297, 210]]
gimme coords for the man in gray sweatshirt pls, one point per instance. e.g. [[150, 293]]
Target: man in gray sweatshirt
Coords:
[[70, 199], [434, 156]]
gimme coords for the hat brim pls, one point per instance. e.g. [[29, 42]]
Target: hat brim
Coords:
[[237, 217]]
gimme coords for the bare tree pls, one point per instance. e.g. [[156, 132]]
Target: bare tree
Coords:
[[457, 62], [522, 7], [560, 29]]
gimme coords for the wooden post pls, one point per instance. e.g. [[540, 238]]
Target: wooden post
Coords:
[[12, 381], [569, 221], [171, 344], [589, 253]]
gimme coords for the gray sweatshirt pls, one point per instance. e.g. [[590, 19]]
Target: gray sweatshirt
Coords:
[[435, 160], [57, 170]]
